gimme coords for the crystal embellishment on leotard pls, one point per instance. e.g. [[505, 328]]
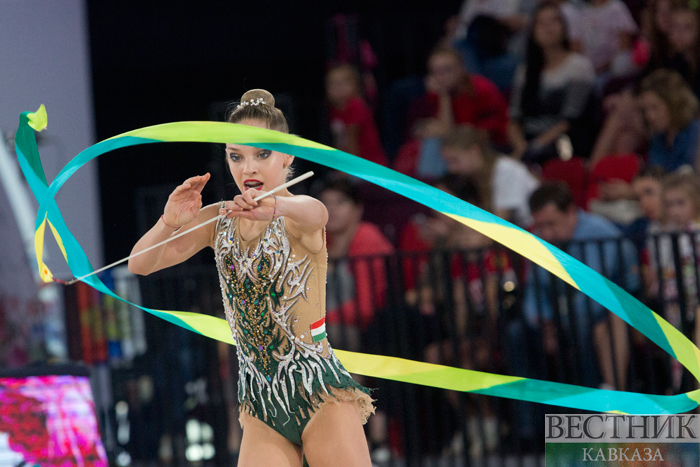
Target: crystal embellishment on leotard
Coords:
[[262, 285]]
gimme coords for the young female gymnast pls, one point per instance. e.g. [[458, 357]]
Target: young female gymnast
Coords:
[[296, 399]]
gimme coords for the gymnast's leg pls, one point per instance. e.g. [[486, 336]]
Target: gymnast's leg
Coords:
[[262, 446], [334, 436]]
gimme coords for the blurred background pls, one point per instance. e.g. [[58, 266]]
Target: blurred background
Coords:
[[576, 120]]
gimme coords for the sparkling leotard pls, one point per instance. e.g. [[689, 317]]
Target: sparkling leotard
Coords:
[[273, 289]]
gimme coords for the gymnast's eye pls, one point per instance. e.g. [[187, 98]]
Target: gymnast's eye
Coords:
[[264, 154], [234, 157]]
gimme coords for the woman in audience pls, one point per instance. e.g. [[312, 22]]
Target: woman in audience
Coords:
[[655, 27], [684, 39], [505, 184], [608, 29], [352, 123], [551, 91], [670, 109]]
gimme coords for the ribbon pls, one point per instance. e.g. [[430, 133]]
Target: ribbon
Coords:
[[538, 251]]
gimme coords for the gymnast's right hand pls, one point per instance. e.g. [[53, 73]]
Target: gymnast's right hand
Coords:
[[185, 201]]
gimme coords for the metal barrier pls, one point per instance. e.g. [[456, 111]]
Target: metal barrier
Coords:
[[484, 309]]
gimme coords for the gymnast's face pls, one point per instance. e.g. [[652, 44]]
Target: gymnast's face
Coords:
[[256, 168]]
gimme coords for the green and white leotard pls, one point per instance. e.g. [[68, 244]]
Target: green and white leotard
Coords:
[[274, 290]]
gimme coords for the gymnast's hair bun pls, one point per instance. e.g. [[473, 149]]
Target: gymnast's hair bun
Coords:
[[258, 104], [255, 94]]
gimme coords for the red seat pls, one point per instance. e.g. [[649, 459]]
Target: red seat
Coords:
[[572, 172]]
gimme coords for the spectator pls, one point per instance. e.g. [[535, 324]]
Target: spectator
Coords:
[[421, 157], [670, 109], [647, 191], [558, 220], [572, 16], [615, 161], [490, 35], [608, 29], [684, 40], [681, 204], [456, 97], [551, 91], [425, 233], [647, 188], [356, 285], [504, 183], [458, 295], [655, 28], [351, 121]]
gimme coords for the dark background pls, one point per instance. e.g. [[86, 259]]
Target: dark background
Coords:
[[163, 61]]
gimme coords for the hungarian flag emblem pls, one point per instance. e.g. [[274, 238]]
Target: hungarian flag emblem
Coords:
[[318, 330]]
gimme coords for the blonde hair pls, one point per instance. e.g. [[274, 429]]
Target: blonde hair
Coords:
[[259, 104], [671, 88], [686, 180]]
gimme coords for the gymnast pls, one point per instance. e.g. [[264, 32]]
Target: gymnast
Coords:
[[297, 402]]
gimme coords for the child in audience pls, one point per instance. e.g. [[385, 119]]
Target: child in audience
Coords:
[[351, 120], [647, 190], [678, 238]]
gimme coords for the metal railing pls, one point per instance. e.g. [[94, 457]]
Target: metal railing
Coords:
[[487, 310]]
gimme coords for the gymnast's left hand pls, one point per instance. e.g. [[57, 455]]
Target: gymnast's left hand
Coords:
[[245, 206]]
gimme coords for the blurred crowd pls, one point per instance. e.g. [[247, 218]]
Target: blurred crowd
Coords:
[[575, 120]]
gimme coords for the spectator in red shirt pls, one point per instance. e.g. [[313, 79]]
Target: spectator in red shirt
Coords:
[[351, 120], [456, 97], [356, 284], [615, 161]]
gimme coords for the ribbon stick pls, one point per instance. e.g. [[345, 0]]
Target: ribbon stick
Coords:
[[554, 260], [213, 219]]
